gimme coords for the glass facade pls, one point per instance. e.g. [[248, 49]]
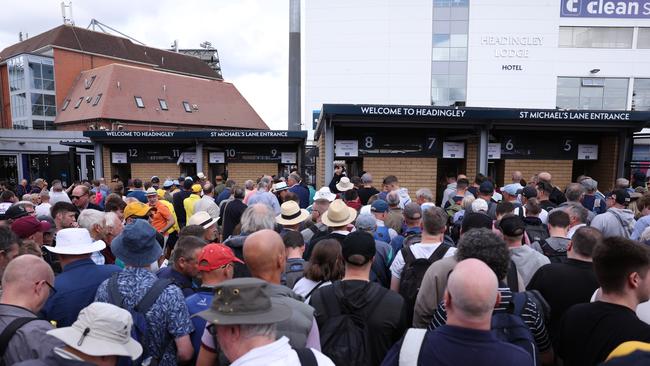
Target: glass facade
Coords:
[[641, 95], [32, 92], [592, 93], [596, 37], [643, 38], [449, 52]]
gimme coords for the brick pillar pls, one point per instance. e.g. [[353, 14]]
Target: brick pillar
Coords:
[[471, 158], [107, 163], [604, 170]]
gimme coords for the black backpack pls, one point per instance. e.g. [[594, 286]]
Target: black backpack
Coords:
[[509, 326], [345, 336], [412, 238], [555, 256], [413, 273], [536, 232], [138, 313]]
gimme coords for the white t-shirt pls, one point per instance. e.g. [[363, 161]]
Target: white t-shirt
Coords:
[[43, 209], [419, 250], [278, 353], [542, 215], [305, 285]]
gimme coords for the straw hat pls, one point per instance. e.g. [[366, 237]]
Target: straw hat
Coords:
[[291, 214], [344, 184], [338, 214]]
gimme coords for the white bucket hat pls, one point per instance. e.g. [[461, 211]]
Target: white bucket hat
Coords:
[[279, 187], [291, 214], [324, 194], [338, 214], [200, 175], [344, 184], [102, 329], [75, 241], [203, 219]]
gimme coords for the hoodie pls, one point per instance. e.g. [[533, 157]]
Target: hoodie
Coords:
[[615, 222], [557, 243]]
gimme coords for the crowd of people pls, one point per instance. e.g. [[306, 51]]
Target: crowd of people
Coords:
[[271, 271]]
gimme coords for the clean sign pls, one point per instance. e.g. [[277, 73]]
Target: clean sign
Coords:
[[605, 8], [453, 150], [587, 152]]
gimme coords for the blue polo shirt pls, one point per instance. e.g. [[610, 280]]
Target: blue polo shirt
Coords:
[[75, 289], [451, 345], [195, 304]]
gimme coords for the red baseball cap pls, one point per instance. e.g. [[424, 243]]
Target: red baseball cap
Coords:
[[27, 226], [214, 256]]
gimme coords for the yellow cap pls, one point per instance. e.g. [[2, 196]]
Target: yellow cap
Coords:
[[196, 188], [628, 347], [136, 209], [161, 192]]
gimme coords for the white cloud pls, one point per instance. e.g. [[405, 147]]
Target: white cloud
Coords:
[[250, 35]]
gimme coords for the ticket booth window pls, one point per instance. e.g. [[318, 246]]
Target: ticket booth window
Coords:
[[188, 170], [217, 169]]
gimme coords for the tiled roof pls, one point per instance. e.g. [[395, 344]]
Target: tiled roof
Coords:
[[89, 41], [214, 103]]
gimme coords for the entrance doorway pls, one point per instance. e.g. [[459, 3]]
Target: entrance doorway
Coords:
[[123, 171], [447, 168]]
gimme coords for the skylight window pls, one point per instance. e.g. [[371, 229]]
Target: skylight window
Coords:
[[97, 99], [163, 104], [65, 104], [139, 102], [79, 102], [89, 82], [187, 107]]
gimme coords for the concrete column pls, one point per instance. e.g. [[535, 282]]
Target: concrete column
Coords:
[[99, 162], [328, 154], [482, 161], [199, 158], [624, 153], [294, 65]]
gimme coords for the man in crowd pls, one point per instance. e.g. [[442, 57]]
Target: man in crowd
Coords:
[[232, 213], [367, 190], [30, 228], [568, 283], [382, 311], [413, 232], [618, 220], [294, 247], [264, 196], [161, 219], [424, 198], [526, 259], [555, 195], [138, 248], [322, 200], [485, 191], [138, 191], [57, 194], [577, 218], [43, 209], [208, 223], [392, 184], [291, 217], [379, 209], [191, 200], [593, 200], [265, 256], [183, 267], [215, 265], [207, 202], [380, 271], [108, 332], [394, 218], [76, 286], [248, 322], [589, 332], [337, 218], [178, 199], [555, 247], [26, 285], [218, 185], [226, 193], [295, 186], [256, 217], [81, 198], [9, 245], [470, 297]]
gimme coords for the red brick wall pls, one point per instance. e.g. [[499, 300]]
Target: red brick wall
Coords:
[[413, 173], [5, 105]]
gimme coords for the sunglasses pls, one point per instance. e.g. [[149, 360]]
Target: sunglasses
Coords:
[[77, 197]]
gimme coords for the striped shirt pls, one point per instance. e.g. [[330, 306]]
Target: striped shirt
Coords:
[[529, 314]]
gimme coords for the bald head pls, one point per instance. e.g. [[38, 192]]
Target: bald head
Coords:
[[264, 255], [545, 176], [472, 292], [23, 282], [517, 176]]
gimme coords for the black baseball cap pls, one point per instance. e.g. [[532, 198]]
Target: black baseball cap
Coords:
[[359, 243], [512, 225], [621, 196], [486, 187], [529, 192], [476, 220], [16, 211]]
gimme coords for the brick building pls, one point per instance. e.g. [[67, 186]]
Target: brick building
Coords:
[[422, 144]]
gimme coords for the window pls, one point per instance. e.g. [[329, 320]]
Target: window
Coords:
[[163, 104], [43, 105], [139, 102], [89, 82], [78, 102], [42, 75], [643, 38], [65, 104], [16, 73], [449, 52], [187, 107], [592, 93], [596, 37], [641, 95], [42, 125], [97, 99]]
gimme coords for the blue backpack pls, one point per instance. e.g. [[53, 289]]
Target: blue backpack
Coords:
[[510, 327], [139, 328], [381, 233]]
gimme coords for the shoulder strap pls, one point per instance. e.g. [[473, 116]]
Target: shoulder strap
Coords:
[[114, 295], [519, 300], [306, 357], [512, 278], [314, 289], [439, 253], [410, 350], [152, 295], [408, 256], [9, 332]]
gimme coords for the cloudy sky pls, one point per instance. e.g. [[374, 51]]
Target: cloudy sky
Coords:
[[250, 35]]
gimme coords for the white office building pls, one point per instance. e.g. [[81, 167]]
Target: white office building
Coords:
[[545, 54]]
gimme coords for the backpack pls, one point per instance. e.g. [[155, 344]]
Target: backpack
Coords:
[[412, 238], [381, 233], [139, 328], [413, 273], [345, 336], [509, 326], [8, 333], [555, 256], [294, 270], [536, 232], [453, 209]]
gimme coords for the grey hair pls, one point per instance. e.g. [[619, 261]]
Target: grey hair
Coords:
[[110, 218], [574, 191], [295, 177], [24, 204], [249, 184], [26, 197], [257, 330], [44, 193], [89, 218], [424, 193], [466, 203], [622, 183], [578, 211], [366, 178], [263, 184], [257, 217], [392, 198], [57, 187]]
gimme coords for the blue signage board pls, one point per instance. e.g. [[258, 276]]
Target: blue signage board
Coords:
[[605, 8]]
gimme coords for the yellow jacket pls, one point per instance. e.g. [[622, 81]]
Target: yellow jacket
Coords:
[[188, 203]]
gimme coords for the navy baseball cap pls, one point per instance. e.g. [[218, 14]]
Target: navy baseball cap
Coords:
[[486, 187], [379, 206]]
